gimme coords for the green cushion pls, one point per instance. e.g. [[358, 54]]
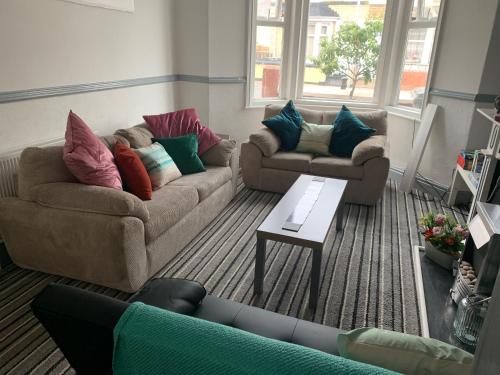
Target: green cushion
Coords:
[[408, 354], [348, 132], [184, 151], [315, 139], [286, 126]]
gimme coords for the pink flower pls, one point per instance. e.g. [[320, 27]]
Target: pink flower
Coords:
[[436, 231], [440, 219]]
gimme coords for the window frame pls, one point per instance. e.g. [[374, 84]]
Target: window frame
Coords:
[[390, 64]]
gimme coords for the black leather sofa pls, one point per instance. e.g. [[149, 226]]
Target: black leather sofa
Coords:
[[81, 322]]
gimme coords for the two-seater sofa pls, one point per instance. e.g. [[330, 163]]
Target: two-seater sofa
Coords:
[[265, 167], [107, 236]]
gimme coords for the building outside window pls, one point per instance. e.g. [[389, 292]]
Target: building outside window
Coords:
[[337, 49]]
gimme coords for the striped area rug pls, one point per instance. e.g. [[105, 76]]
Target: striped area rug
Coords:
[[367, 277]]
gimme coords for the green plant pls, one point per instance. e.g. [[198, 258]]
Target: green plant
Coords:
[[352, 52], [443, 232]]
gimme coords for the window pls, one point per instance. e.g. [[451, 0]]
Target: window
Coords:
[[343, 65], [270, 27], [323, 51], [418, 52]]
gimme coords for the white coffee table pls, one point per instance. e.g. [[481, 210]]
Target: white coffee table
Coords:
[[312, 232]]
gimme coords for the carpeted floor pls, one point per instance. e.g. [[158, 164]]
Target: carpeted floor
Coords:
[[367, 277]]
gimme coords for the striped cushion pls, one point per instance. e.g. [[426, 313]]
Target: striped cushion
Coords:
[[160, 166]]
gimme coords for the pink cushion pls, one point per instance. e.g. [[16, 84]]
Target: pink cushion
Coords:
[[87, 157], [185, 121]]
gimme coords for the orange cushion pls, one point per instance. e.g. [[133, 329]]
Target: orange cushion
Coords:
[[133, 173]]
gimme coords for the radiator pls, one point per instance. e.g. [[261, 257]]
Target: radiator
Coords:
[[9, 164], [8, 176]]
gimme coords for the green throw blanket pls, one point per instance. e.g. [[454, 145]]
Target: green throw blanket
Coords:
[[149, 340]]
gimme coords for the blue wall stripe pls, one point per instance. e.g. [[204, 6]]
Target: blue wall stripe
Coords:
[[47, 92]]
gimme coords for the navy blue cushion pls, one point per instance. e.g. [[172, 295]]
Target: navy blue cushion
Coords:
[[287, 126], [348, 131]]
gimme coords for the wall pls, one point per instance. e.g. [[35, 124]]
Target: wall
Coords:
[[51, 43]]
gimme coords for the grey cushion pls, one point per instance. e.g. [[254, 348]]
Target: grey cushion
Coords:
[[110, 141], [138, 136], [168, 206], [290, 161], [206, 182], [334, 166], [220, 154]]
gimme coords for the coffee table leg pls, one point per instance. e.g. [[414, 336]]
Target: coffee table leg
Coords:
[[340, 215], [260, 261], [315, 277]]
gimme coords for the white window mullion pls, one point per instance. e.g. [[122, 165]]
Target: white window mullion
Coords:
[[397, 55], [300, 36]]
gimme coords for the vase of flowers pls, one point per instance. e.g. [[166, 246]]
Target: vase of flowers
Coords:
[[444, 238]]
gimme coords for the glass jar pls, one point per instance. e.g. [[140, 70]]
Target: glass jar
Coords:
[[469, 318]]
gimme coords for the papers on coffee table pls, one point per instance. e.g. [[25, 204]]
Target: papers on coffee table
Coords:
[[305, 205]]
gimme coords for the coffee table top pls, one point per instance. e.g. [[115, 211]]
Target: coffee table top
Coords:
[[313, 232]]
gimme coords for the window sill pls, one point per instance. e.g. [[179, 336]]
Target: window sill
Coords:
[[327, 105], [405, 113]]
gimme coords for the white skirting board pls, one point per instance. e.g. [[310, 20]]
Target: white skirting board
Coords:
[[419, 283]]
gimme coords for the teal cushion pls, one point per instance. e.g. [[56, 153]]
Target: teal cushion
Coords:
[[286, 125], [348, 132], [401, 352], [184, 151]]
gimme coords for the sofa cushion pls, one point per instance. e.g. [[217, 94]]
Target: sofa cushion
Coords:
[[138, 136], [159, 165], [286, 125], [334, 166], [267, 142], [220, 154], [39, 165], [404, 353], [290, 161], [111, 140], [205, 182], [90, 198], [183, 122], [309, 115], [315, 139], [134, 174], [169, 205], [184, 152], [373, 147], [374, 119], [90, 161], [348, 132]]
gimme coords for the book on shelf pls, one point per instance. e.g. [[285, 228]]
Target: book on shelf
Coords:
[[465, 159]]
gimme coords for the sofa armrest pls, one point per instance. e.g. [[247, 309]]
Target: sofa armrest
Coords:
[[89, 198], [267, 142], [374, 147], [220, 154]]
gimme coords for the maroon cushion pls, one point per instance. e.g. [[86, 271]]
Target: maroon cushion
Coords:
[[182, 122], [133, 172]]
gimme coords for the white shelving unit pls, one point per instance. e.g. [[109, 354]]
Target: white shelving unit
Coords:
[[461, 178]]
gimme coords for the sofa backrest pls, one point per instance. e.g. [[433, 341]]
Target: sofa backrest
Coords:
[[138, 136], [41, 165], [375, 119]]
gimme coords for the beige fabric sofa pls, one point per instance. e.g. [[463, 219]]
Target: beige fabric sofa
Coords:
[[265, 167], [106, 236]]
